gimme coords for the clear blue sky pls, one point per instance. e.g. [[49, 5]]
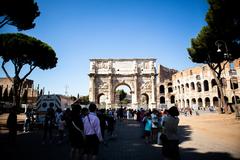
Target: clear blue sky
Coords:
[[79, 30]]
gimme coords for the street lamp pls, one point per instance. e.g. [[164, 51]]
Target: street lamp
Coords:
[[232, 71]]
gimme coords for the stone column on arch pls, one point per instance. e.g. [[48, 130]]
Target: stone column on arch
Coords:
[[110, 92], [153, 91], [92, 96], [135, 92]]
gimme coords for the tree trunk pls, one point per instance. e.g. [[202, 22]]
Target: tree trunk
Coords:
[[17, 93], [221, 96]]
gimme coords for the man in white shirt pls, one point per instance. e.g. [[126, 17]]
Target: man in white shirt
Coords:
[[92, 131]]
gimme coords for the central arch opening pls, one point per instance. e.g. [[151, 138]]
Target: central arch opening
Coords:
[[123, 96]]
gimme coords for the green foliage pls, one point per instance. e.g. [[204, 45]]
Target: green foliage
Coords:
[[125, 101], [122, 94], [19, 13], [223, 18], [21, 49]]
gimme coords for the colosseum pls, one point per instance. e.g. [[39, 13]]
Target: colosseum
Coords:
[[196, 86]]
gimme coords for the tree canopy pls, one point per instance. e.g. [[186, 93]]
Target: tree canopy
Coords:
[[22, 50], [223, 19], [19, 13], [122, 94]]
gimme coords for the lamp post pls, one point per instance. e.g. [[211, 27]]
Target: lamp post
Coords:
[[232, 71]]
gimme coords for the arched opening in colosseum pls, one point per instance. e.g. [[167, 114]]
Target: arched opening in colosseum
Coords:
[[213, 82], [200, 103], [183, 103], [225, 99], [207, 102], [188, 103], [233, 99], [199, 87], [187, 87], [193, 101], [182, 86], [234, 83], [205, 85], [161, 89], [192, 86], [215, 101]]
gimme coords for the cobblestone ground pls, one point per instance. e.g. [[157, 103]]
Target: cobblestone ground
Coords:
[[205, 137]]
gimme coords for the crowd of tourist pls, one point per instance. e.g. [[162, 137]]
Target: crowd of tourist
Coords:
[[85, 128]]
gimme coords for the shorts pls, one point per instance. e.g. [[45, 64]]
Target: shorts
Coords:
[[91, 144], [147, 133]]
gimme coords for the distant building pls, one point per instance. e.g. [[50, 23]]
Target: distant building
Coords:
[[6, 87]]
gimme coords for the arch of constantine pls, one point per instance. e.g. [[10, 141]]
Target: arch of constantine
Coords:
[[137, 74]]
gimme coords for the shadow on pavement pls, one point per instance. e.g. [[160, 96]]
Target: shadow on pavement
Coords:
[[192, 154], [28, 147], [185, 132]]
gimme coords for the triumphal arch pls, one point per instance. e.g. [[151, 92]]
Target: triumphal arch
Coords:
[[137, 74]]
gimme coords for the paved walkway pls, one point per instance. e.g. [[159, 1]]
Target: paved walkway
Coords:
[[127, 145]]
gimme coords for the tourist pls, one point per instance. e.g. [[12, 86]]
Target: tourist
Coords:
[[12, 125], [93, 134], [170, 148], [27, 121], [147, 128], [155, 125], [76, 133], [48, 124], [61, 128]]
